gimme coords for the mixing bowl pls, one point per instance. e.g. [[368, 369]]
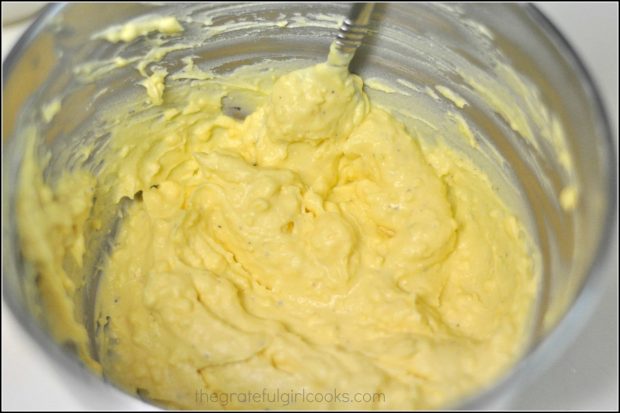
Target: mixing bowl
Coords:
[[532, 112]]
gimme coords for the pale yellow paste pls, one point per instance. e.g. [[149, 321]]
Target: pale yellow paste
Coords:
[[312, 246], [140, 27]]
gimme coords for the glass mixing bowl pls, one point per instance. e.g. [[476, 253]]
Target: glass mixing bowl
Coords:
[[562, 140]]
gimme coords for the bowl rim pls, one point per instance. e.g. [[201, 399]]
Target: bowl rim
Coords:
[[532, 363]]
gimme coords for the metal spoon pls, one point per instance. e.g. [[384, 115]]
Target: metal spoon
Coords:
[[350, 35]]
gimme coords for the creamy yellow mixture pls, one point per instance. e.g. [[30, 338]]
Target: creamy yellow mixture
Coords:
[[311, 247]]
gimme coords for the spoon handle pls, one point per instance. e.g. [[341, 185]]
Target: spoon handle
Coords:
[[352, 32]]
